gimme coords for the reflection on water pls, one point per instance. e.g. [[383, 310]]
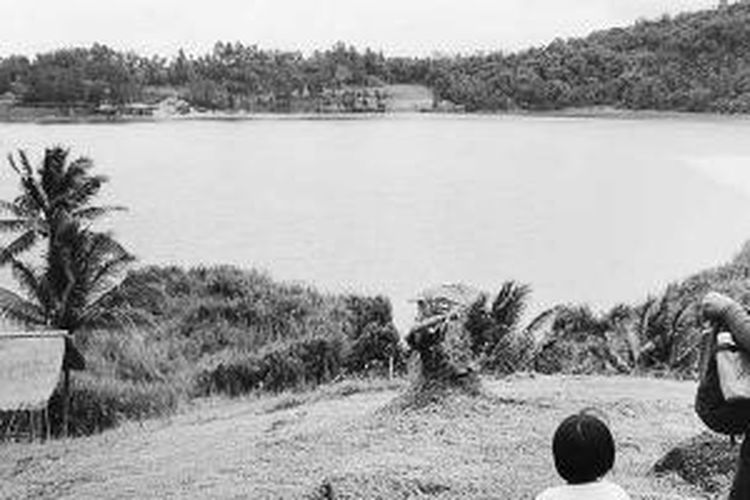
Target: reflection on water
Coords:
[[583, 209]]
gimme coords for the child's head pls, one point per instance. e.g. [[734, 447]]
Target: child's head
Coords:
[[583, 448]]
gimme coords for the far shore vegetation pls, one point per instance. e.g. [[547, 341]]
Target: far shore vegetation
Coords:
[[692, 62]]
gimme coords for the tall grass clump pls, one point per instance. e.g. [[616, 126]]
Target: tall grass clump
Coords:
[[295, 364], [232, 331], [99, 403]]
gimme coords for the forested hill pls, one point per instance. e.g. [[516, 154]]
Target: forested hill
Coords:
[[693, 62]]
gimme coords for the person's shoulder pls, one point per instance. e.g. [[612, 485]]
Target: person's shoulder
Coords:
[[547, 494], [599, 490], [552, 493], [615, 490]]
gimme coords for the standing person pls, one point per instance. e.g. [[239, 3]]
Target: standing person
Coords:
[[584, 453], [441, 338], [722, 314]]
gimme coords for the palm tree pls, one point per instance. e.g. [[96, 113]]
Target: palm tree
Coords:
[[72, 281], [489, 325], [57, 192], [71, 288]]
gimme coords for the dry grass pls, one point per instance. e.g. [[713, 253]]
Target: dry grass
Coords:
[[338, 441], [408, 97]]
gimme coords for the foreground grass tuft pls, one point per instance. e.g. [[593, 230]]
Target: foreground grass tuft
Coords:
[[707, 461]]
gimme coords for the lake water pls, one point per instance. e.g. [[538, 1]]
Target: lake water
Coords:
[[594, 210]]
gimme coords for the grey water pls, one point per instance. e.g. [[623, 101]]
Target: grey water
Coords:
[[583, 209]]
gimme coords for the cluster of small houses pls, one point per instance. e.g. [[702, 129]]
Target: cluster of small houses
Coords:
[[341, 100], [329, 101], [358, 101], [167, 107]]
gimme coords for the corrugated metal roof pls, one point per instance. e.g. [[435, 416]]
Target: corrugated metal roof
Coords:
[[30, 367]]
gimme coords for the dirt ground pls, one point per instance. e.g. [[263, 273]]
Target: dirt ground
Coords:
[[334, 445]]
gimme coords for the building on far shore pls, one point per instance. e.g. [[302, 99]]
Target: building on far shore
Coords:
[[138, 109], [8, 100]]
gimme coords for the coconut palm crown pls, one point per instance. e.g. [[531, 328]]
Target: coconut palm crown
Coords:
[[58, 190], [69, 287]]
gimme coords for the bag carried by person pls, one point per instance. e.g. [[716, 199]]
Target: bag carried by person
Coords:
[[723, 398]]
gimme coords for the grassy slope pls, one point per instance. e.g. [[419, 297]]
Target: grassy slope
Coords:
[[286, 447], [407, 98]]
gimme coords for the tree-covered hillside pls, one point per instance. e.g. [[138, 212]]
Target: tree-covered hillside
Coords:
[[693, 62]]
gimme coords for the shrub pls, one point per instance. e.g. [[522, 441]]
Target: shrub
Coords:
[[98, 403], [376, 347], [122, 355], [303, 362]]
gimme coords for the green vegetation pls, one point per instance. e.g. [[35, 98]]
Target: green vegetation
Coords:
[[693, 62], [160, 335], [660, 335]]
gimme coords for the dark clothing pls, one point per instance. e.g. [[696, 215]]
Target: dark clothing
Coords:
[[741, 484], [710, 405], [712, 408]]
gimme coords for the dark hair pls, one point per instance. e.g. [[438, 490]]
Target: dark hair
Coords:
[[583, 448]]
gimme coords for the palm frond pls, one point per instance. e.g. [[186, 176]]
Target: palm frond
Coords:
[[92, 213], [81, 166], [103, 245], [27, 278], [111, 269], [80, 194], [541, 329], [12, 163], [16, 308], [36, 194], [633, 342], [116, 317], [508, 306], [25, 163], [20, 244], [13, 225], [9, 207]]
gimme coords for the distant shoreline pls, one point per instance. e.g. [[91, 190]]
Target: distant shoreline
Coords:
[[593, 113]]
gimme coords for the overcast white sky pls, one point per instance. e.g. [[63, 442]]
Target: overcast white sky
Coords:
[[413, 27]]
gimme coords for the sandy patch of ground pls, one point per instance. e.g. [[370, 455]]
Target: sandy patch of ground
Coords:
[[285, 447]]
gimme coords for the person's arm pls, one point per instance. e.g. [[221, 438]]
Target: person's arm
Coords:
[[435, 320], [417, 332], [718, 306], [427, 323], [707, 349]]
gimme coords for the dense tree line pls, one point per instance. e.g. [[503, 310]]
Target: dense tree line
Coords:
[[232, 76], [693, 62]]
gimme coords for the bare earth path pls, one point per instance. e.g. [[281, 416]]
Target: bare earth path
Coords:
[[284, 447]]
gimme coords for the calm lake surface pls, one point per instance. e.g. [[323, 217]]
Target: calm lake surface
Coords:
[[594, 210]]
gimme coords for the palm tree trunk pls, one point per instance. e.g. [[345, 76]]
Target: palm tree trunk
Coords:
[[65, 402]]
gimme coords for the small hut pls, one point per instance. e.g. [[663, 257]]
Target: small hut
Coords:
[[31, 363]]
